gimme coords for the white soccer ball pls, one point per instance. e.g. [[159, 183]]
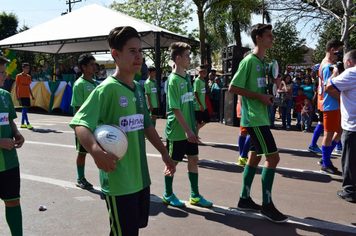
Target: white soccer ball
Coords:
[[112, 139]]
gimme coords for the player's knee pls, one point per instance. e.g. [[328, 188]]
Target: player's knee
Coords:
[[193, 160]]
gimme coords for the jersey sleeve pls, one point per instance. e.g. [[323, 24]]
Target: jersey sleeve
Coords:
[[12, 111], [344, 81], [147, 88], [78, 96], [89, 113], [239, 79], [174, 101], [196, 88]]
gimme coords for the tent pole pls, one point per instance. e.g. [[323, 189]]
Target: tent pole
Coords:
[[158, 58]]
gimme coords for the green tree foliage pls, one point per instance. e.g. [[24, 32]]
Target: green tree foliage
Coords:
[[170, 15], [287, 47], [8, 25]]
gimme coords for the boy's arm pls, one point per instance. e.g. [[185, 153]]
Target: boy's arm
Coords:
[[31, 94], [191, 137], [103, 160], [153, 137], [149, 101], [19, 139], [264, 98], [196, 95], [17, 95]]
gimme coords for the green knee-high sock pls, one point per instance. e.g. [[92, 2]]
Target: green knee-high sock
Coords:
[[168, 184], [247, 179], [80, 171], [154, 123], [267, 178], [193, 179], [14, 220]]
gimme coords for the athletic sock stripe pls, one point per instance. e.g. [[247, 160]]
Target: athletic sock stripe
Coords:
[[261, 139], [170, 148], [113, 214]]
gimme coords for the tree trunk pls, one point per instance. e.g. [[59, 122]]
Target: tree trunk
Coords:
[[202, 35]]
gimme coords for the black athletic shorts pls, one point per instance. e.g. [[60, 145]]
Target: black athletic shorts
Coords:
[[128, 213], [25, 102], [154, 112], [10, 184], [201, 116], [321, 117], [79, 146], [177, 149], [262, 141]]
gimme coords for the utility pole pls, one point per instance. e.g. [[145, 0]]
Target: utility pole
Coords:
[[70, 2], [263, 11]]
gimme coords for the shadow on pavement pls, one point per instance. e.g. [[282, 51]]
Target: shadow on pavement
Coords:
[[44, 131], [252, 223]]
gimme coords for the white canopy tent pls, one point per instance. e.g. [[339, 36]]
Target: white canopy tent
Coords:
[[86, 30]]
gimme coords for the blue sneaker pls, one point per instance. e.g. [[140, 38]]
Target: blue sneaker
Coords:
[[200, 201], [173, 201], [314, 149]]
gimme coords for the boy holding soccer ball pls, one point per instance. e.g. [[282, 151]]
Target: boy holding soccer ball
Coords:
[[119, 100]]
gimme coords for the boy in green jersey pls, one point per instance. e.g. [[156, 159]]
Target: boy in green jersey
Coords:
[[9, 163], [119, 100], [201, 111], [250, 82], [151, 90], [181, 126], [81, 90]]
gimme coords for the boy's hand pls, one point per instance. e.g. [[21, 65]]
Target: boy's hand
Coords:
[[191, 136], [170, 168], [19, 140], [266, 99], [7, 143], [105, 161], [201, 107]]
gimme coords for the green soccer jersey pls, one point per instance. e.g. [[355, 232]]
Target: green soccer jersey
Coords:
[[113, 102], [199, 87], [81, 91], [8, 158], [179, 96], [151, 88], [251, 76]]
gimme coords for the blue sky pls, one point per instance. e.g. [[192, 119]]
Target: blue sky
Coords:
[[36, 12]]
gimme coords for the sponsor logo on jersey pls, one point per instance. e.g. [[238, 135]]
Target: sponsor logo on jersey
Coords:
[[4, 101], [261, 82], [182, 85], [132, 123], [258, 68], [153, 90], [203, 90], [188, 97], [123, 101], [4, 118], [88, 88]]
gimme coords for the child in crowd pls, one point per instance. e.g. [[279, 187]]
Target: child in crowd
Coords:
[[299, 103], [307, 113]]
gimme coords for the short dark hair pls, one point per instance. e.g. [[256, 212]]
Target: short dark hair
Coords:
[[177, 49], [301, 89], [351, 55], [151, 68], [84, 59], [258, 30], [25, 64], [298, 78], [120, 35], [3, 60], [333, 43]]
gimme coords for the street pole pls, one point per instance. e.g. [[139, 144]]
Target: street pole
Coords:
[[70, 2], [263, 11]]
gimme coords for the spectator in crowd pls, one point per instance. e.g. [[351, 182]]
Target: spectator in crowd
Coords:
[[144, 73], [8, 83], [299, 103], [72, 68], [151, 91], [102, 72], [47, 71], [210, 83], [97, 70], [215, 90], [307, 113], [285, 90], [59, 72], [41, 73], [34, 73], [309, 89], [273, 107]]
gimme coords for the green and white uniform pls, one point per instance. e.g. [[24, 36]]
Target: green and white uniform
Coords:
[[199, 87], [8, 158], [81, 91], [251, 76], [179, 96], [151, 88], [113, 102]]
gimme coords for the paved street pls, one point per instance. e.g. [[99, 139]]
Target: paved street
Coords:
[[48, 171]]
